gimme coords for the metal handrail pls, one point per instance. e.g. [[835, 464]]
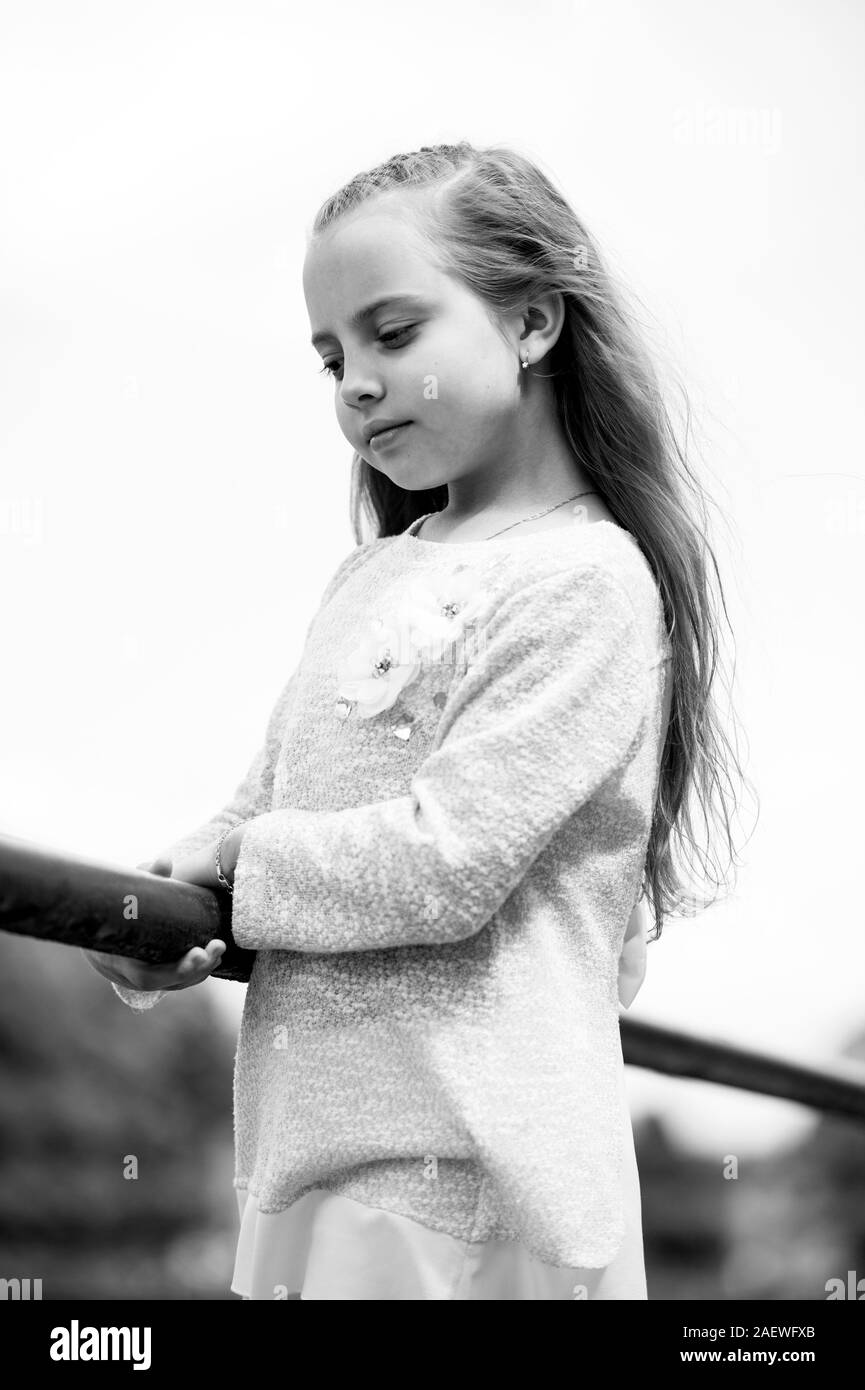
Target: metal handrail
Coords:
[[86, 903], [105, 907], [837, 1087]]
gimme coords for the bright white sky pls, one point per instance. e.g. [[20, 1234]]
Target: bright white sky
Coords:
[[174, 483]]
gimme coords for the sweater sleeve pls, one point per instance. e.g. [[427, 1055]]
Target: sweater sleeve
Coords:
[[553, 706], [139, 999]]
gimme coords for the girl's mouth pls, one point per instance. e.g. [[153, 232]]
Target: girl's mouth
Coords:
[[381, 441]]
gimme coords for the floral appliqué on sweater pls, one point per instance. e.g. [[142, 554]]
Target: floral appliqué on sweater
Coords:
[[423, 626]]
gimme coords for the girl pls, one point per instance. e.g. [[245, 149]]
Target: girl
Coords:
[[474, 772]]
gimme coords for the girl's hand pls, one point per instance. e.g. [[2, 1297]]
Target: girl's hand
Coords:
[[200, 868], [190, 969]]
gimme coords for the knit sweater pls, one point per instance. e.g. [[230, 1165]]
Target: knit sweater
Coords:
[[446, 833]]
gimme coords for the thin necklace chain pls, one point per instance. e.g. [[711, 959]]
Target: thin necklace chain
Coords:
[[533, 517]]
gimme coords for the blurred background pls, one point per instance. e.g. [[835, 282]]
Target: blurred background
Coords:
[[174, 489]]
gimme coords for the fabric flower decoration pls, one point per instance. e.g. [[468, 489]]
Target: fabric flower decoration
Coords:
[[377, 669], [430, 615], [437, 611]]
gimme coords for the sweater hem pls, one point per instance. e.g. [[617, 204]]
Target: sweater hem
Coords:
[[479, 1234]]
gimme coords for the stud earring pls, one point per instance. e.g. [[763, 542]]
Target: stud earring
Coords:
[[526, 360]]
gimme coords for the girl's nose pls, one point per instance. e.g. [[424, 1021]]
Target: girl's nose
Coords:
[[359, 386]]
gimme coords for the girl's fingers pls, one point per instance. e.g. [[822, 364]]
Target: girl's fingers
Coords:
[[192, 962], [202, 958], [197, 964], [157, 866], [190, 969]]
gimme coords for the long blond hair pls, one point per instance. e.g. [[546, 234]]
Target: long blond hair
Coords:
[[499, 223]]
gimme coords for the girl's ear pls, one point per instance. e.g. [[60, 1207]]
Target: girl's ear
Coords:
[[545, 318]]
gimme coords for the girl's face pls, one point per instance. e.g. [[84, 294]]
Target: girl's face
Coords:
[[429, 356]]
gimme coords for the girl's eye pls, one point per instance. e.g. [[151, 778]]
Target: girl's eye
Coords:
[[397, 333], [333, 367]]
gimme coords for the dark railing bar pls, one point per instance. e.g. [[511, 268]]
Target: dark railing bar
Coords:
[[85, 903], [103, 907], [834, 1086]]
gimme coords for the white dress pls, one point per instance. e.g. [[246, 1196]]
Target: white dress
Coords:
[[327, 1246]]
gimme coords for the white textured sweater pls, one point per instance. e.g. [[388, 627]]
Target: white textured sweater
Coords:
[[442, 857]]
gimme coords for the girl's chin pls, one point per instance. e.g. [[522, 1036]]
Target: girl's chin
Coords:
[[407, 472]]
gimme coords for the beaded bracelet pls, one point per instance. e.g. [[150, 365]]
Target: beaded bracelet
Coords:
[[219, 874]]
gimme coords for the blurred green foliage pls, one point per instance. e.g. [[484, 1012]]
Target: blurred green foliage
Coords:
[[781, 1228], [86, 1082]]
